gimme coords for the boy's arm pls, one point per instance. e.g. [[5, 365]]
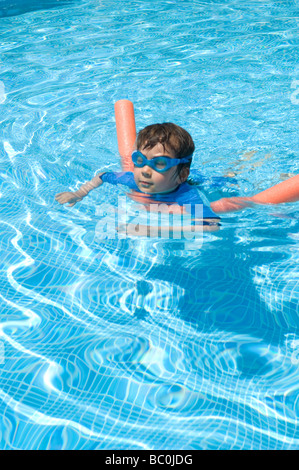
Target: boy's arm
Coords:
[[75, 196]]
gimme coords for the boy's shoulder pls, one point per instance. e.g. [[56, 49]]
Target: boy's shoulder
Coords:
[[187, 190]]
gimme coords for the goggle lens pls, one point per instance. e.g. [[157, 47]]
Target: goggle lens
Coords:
[[160, 164]]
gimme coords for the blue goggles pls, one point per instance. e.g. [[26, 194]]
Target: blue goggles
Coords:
[[160, 164]]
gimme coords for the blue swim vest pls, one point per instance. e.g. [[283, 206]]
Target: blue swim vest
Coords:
[[185, 195]]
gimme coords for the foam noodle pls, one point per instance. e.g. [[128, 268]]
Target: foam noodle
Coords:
[[286, 191], [126, 132]]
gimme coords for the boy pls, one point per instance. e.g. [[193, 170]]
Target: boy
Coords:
[[161, 168]]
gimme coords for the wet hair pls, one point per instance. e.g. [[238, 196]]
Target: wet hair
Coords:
[[174, 138]]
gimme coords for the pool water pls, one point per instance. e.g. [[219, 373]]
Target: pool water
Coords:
[[141, 343]]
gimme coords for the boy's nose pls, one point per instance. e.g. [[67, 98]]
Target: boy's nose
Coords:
[[146, 171]]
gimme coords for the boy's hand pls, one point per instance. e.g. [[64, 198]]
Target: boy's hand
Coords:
[[70, 197], [230, 204], [73, 197]]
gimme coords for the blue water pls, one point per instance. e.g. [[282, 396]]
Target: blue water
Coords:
[[144, 343]]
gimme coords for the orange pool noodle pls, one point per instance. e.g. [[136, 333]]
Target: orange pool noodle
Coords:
[[126, 132], [286, 191]]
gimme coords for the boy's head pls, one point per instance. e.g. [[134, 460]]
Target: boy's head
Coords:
[[167, 140]]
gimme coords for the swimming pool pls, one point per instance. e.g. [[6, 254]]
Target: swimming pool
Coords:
[[147, 343]]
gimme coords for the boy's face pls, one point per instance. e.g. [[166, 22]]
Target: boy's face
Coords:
[[151, 181]]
